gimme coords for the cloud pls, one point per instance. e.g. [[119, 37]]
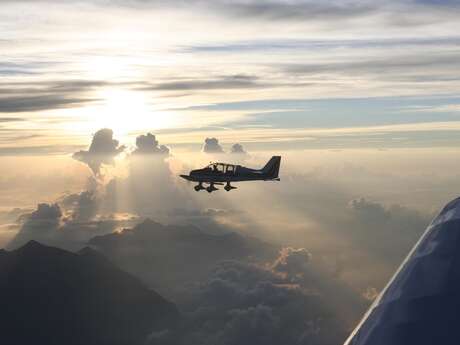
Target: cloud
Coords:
[[243, 303], [102, 150], [318, 44], [299, 10], [13, 215], [43, 95], [39, 150], [157, 243], [68, 227], [268, 10], [41, 223], [147, 144], [46, 212], [35, 103], [238, 149], [398, 67], [220, 83], [254, 325], [11, 119], [377, 226], [292, 262], [211, 145], [85, 207]]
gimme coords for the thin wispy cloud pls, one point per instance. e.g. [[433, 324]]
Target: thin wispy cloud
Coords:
[[213, 56]]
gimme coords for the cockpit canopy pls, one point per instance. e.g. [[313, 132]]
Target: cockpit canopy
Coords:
[[221, 167], [217, 168]]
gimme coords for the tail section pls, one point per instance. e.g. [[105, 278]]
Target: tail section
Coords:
[[272, 168]]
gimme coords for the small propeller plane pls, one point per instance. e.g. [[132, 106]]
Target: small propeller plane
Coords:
[[223, 173]]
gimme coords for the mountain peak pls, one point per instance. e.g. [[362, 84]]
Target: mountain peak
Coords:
[[37, 279], [93, 254], [32, 246]]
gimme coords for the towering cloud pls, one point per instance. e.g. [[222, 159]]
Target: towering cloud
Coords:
[[46, 213], [147, 144], [211, 145], [237, 148], [102, 150]]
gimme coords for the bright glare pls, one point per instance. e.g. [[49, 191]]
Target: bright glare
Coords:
[[124, 111]]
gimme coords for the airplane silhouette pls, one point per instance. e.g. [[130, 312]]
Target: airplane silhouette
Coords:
[[220, 173]]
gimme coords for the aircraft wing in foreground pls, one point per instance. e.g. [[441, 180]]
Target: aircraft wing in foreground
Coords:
[[223, 173], [421, 303]]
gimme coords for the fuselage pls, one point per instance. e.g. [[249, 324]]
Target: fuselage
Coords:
[[238, 175]]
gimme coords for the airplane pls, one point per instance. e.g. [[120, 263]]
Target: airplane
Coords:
[[220, 173]]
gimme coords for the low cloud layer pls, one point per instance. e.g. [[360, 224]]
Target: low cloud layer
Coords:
[[244, 303]]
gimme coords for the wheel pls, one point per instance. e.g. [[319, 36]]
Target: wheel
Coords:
[[209, 189], [228, 188], [197, 188]]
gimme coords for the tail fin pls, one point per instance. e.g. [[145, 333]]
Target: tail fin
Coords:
[[272, 168]]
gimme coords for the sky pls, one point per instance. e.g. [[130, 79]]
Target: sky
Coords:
[[333, 74]]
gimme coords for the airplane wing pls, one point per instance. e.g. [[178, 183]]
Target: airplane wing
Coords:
[[421, 303]]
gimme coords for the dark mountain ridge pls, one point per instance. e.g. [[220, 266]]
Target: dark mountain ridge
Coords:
[[52, 296]]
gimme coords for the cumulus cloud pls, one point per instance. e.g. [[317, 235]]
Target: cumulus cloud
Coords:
[[377, 226], [254, 325], [41, 223], [244, 303], [369, 211], [148, 144], [46, 212], [83, 206], [292, 262], [68, 227], [238, 149], [102, 150], [211, 145]]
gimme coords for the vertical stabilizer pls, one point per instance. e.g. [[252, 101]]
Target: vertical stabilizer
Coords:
[[272, 168]]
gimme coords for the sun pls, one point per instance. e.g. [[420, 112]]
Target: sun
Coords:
[[124, 111]]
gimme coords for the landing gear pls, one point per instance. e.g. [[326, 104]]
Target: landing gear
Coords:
[[229, 187], [199, 187], [211, 188]]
